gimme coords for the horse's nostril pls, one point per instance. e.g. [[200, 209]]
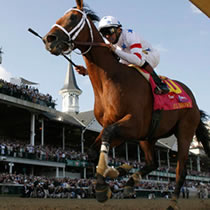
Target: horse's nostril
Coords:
[[51, 38]]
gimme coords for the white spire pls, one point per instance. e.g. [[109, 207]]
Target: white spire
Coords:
[[70, 92]]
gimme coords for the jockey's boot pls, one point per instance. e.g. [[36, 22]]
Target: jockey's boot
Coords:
[[161, 88]]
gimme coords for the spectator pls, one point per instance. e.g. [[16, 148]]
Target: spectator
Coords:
[[183, 192], [187, 192], [27, 93]]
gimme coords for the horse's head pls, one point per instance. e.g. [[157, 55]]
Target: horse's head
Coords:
[[74, 26]]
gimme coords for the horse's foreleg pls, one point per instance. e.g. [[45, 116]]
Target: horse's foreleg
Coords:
[[123, 127], [107, 135], [151, 165], [111, 132], [103, 191], [103, 169]]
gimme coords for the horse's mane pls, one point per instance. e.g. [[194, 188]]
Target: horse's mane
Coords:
[[90, 13]]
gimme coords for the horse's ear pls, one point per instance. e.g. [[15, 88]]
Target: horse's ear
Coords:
[[79, 4]]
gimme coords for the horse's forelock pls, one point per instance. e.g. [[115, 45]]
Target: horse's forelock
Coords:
[[91, 14]]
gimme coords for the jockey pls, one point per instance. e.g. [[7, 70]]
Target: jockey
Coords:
[[131, 49]]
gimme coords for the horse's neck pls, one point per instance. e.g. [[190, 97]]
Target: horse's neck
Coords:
[[100, 63], [95, 72]]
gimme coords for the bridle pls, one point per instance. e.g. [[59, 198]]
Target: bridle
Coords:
[[72, 35], [71, 40]]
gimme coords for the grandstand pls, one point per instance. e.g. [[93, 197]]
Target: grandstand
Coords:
[[38, 140]]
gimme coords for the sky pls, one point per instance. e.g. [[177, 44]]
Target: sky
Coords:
[[177, 29]]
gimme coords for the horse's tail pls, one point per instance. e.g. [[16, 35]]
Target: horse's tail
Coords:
[[202, 132]]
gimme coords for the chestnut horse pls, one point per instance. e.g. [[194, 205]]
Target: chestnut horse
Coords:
[[124, 103]]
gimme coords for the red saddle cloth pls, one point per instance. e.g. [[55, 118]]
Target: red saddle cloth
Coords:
[[177, 98]]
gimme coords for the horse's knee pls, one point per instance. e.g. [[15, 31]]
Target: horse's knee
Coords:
[[148, 168], [110, 132]]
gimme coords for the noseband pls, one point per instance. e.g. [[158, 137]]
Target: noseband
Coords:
[[76, 30]]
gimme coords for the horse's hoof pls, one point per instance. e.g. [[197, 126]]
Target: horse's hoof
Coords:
[[124, 169], [173, 204], [170, 208], [103, 193], [128, 192], [175, 207], [111, 172]]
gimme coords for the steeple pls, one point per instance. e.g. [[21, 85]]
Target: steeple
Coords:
[[70, 92]]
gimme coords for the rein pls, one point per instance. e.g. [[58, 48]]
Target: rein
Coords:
[[95, 44], [76, 42]]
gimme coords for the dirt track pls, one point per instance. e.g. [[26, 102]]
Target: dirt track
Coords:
[[91, 204]]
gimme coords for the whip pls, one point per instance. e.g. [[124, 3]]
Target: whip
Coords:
[[36, 34]]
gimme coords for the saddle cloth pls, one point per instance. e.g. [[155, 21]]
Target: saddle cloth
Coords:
[[177, 98]]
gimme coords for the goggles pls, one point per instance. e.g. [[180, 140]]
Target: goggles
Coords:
[[108, 31]]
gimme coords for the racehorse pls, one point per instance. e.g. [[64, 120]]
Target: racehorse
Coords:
[[124, 103]]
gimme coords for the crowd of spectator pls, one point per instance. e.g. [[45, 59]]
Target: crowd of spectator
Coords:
[[138, 165], [16, 148], [39, 152], [27, 93], [189, 172], [45, 187], [118, 161]]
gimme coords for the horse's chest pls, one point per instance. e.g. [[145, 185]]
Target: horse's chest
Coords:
[[107, 111], [109, 103]]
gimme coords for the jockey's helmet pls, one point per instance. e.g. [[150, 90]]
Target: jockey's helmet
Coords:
[[108, 22]]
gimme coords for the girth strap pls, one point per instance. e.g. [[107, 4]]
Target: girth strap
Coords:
[[156, 116]]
